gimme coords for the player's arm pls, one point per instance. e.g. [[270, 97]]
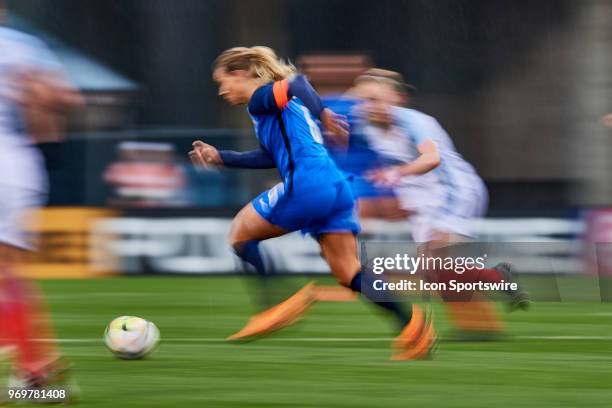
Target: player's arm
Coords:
[[254, 159], [43, 90], [273, 98], [46, 98], [429, 159], [423, 132], [205, 155], [47, 90]]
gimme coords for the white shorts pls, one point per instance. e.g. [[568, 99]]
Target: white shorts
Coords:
[[15, 206], [454, 212]]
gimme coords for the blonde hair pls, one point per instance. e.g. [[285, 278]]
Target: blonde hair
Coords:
[[385, 76], [260, 62]]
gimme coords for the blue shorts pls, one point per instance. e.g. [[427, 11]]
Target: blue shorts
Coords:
[[313, 209]]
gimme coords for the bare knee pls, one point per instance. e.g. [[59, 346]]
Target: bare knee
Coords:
[[238, 233], [345, 273], [248, 225], [237, 241], [233, 238], [344, 281]]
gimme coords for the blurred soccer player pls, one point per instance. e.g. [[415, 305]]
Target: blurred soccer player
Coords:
[[33, 93], [313, 197], [430, 183]]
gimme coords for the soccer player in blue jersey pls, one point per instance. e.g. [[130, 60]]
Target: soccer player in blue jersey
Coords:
[[313, 197]]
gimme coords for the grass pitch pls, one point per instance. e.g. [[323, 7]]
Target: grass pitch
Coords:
[[338, 356]]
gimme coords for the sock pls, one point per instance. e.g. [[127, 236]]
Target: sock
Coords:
[[271, 288], [24, 319], [389, 303], [249, 252], [490, 275]]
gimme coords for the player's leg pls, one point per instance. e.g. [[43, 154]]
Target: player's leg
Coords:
[[473, 316], [24, 320], [417, 335], [23, 317], [340, 252], [452, 237], [248, 229], [519, 299], [452, 227]]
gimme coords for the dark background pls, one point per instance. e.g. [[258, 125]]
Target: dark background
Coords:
[[519, 85]]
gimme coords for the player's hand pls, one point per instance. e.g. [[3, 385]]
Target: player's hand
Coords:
[[388, 177], [204, 155], [336, 125]]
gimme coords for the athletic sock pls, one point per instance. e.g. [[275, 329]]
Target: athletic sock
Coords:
[[249, 252], [270, 287], [23, 321], [362, 281], [490, 275]]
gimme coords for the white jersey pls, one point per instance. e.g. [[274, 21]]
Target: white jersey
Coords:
[[394, 146], [21, 164], [443, 198]]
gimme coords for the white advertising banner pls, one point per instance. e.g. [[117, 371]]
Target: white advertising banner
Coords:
[[199, 245]]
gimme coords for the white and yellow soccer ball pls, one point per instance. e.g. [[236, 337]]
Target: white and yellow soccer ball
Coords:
[[131, 338]]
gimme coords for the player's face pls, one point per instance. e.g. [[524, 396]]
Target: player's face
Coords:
[[379, 99], [233, 85]]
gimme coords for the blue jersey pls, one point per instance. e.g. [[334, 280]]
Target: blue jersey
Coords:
[[288, 132], [358, 157], [314, 196]]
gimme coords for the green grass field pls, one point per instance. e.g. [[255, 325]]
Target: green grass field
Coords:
[[338, 356]]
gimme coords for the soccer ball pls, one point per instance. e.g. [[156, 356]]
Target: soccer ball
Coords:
[[131, 338]]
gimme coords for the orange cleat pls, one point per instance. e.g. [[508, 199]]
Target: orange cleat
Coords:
[[410, 334], [416, 345], [279, 316], [334, 294]]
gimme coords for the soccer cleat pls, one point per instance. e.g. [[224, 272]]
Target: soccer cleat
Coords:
[[334, 294], [518, 299], [279, 316], [52, 385], [411, 332], [424, 343]]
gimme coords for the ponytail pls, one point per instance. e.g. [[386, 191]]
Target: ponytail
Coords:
[[260, 62]]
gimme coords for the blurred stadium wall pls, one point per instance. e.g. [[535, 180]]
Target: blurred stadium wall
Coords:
[[519, 85]]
